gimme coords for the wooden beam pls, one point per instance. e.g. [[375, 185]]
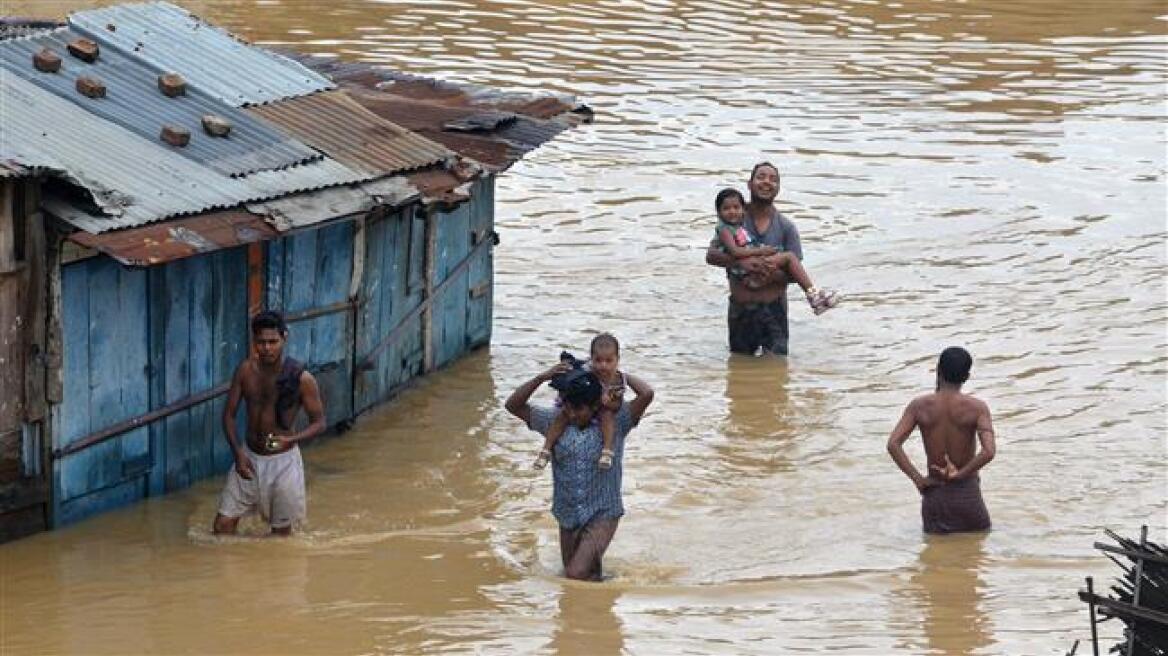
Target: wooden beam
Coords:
[[429, 267]]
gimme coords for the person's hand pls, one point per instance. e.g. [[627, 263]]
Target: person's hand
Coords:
[[946, 473], [243, 465], [613, 398], [559, 368], [278, 442], [923, 483], [753, 265]]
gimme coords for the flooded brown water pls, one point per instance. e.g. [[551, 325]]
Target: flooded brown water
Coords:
[[986, 173]]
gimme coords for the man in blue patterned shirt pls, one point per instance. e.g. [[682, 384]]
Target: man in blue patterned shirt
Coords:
[[586, 500]]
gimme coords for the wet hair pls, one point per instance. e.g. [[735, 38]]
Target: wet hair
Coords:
[[723, 195], [580, 388], [604, 339], [269, 319], [758, 166], [954, 364]]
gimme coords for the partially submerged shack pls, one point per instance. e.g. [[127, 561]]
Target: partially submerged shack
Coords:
[[135, 242]]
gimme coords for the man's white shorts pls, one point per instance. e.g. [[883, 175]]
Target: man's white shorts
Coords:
[[276, 490]]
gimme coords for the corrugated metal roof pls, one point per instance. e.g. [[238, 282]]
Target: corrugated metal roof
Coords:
[[134, 102], [212, 60], [184, 237], [337, 125], [134, 180]]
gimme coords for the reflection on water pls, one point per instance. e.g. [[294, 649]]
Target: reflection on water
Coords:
[[587, 622], [984, 173], [944, 595]]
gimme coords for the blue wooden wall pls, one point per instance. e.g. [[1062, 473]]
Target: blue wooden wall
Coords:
[[136, 340]]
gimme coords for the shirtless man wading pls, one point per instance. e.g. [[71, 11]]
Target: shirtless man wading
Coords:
[[951, 493], [268, 475]]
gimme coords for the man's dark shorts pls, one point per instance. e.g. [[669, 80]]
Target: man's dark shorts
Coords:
[[954, 507], [752, 325]]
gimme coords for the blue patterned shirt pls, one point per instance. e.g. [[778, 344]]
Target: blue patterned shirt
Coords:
[[582, 491]]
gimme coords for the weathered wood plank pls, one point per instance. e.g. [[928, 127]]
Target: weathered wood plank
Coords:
[[11, 353], [369, 308], [176, 365], [201, 366], [156, 291], [450, 309], [74, 411], [231, 328], [479, 310], [131, 328], [107, 349], [35, 304], [300, 290], [8, 218]]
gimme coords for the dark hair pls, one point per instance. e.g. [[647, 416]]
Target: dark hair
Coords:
[[581, 387], [727, 193], [269, 319], [604, 339], [758, 166], [953, 365]]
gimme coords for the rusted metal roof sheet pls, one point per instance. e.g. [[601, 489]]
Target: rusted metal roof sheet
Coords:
[[170, 38], [335, 124], [183, 237], [179, 238], [441, 92], [493, 127], [133, 181], [134, 102]]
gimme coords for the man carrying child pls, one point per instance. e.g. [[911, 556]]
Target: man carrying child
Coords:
[[586, 499]]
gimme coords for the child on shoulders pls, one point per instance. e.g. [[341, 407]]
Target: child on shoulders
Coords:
[[604, 362]]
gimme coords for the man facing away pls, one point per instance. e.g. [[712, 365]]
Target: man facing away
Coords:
[[757, 318], [268, 475], [951, 492]]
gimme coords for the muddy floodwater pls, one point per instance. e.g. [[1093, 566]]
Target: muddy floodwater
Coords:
[[985, 173]]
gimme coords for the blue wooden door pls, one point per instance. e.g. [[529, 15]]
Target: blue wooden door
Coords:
[[389, 352], [199, 334], [308, 278], [106, 381]]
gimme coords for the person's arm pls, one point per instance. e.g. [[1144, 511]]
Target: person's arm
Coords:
[[791, 240], [739, 252], [985, 436], [904, 428], [313, 407], [716, 257], [644, 396], [518, 403], [242, 463]]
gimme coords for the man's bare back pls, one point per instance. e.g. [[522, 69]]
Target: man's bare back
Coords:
[[949, 422]]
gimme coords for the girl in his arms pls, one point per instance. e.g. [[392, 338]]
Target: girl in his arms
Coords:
[[733, 238]]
